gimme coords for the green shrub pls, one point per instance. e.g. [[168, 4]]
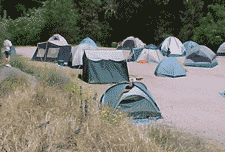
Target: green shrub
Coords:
[[114, 45], [9, 84]]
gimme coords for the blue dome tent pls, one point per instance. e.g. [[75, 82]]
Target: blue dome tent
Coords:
[[170, 67]]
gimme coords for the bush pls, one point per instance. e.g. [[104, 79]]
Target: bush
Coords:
[[9, 84]]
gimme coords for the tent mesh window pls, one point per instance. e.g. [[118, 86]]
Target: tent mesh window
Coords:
[[129, 44], [41, 52], [53, 52]]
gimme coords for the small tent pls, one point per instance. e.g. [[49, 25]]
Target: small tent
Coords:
[[131, 42], [189, 45], [151, 55], [88, 41], [58, 40], [201, 56], [133, 99], [170, 67], [78, 51], [221, 50], [172, 47], [101, 66], [55, 49]]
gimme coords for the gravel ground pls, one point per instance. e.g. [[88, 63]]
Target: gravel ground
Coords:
[[191, 103]]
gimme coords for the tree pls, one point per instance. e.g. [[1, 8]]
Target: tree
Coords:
[[211, 31], [190, 16]]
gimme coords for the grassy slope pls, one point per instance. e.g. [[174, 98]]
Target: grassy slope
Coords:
[[63, 113]]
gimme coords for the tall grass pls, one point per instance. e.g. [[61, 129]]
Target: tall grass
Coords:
[[70, 118]]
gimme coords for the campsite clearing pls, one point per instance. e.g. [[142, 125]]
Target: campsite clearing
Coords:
[[191, 102]]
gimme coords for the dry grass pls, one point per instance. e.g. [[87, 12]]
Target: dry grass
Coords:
[[69, 118]]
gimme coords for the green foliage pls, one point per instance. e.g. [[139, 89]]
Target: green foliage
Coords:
[[4, 34], [211, 31], [114, 45], [26, 30], [190, 17], [62, 19], [91, 25], [18, 61], [114, 117]]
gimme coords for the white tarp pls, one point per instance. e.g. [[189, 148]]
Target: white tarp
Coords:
[[97, 55], [78, 52]]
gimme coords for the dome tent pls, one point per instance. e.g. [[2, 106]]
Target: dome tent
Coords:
[[55, 49], [172, 47], [58, 40], [201, 56], [88, 41], [78, 51], [148, 52], [135, 100], [189, 45], [170, 67], [221, 50], [131, 42]]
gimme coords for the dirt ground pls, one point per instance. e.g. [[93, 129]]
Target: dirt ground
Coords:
[[191, 103]]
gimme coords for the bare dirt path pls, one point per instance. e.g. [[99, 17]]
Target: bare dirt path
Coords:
[[192, 103]]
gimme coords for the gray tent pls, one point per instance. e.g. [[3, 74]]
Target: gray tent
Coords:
[[221, 50], [201, 56], [104, 66], [134, 99], [189, 45], [78, 51], [170, 67], [55, 49]]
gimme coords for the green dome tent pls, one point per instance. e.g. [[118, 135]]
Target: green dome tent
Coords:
[[134, 99]]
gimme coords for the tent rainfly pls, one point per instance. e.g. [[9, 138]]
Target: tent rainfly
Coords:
[[101, 67], [172, 47], [78, 51], [55, 49], [133, 99], [189, 45], [201, 56]]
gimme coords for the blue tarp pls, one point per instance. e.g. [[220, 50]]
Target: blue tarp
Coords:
[[170, 67]]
